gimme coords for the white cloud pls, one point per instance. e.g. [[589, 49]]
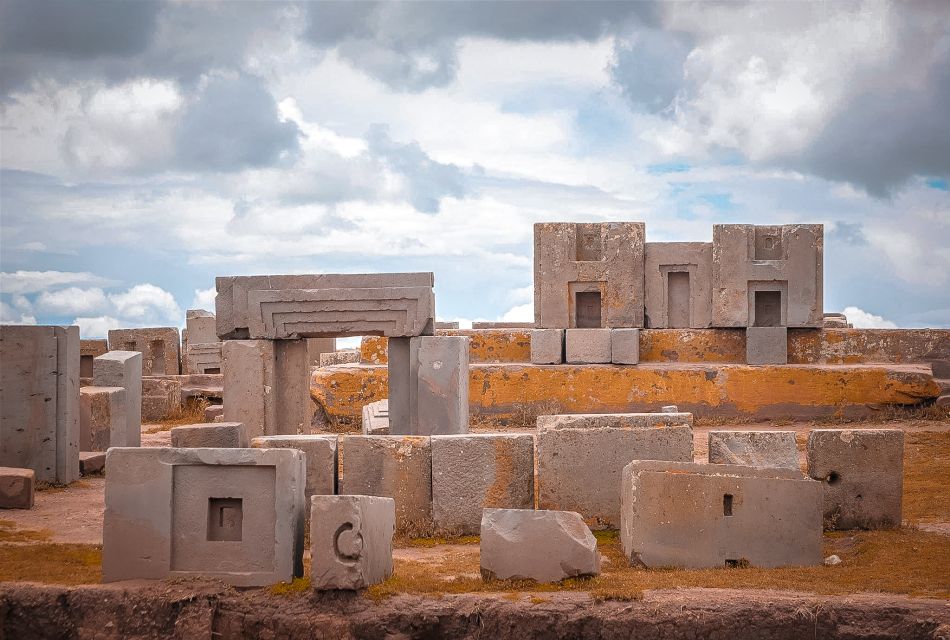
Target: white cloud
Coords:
[[34, 281], [521, 313], [98, 327], [147, 303], [72, 301], [9, 315], [861, 319], [204, 299]]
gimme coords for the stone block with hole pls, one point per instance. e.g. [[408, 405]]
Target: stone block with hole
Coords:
[[235, 515], [714, 515], [863, 472]]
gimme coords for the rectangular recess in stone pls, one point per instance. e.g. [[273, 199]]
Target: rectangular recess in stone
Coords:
[[768, 308], [225, 519], [587, 307], [677, 296]]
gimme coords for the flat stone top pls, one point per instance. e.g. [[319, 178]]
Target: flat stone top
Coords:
[[614, 420], [206, 425], [16, 472], [144, 329], [705, 469], [92, 390], [303, 437], [119, 355], [173, 456], [198, 313], [859, 431], [334, 280], [484, 436]]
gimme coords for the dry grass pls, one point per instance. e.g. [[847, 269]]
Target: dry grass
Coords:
[[926, 477], [424, 543], [10, 533], [191, 412], [67, 564]]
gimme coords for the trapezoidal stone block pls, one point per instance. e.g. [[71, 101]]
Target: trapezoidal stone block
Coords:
[[863, 473], [39, 401], [204, 357], [478, 471], [375, 419], [546, 546], [547, 346], [88, 350], [351, 541], [580, 469], [625, 346], [767, 276], [160, 348], [588, 275], [321, 455], [325, 305], [398, 467], [678, 285], [707, 515], [17, 487], [438, 385], [102, 421], [766, 345], [763, 449], [587, 346], [614, 420], [220, 435], [235, 515], [123, 369]]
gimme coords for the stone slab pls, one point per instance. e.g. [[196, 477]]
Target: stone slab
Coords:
[[160, 348], [580, 469], [614, 420], [221, 435], [235, 515], [705, 515], [398, 467], [486, 345], [17, 487], [102, 420], [351, 541], [546, 546], [625, 346], [375, 420], [344, 356], [766, 345], [587, 346], [478, 471], [768, 449], [124, 369], [863, 473], [438, 385], [212, 411], [547, 346], [92, 462]]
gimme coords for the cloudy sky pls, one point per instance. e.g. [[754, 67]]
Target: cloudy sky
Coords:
[[148, 147]]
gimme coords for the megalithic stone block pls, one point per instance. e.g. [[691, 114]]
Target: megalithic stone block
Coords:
[[123, 369], [325, 305], [351, 541], [160, 348], [625, 346], [587, 346], [221, 435], [768, 449], [614, 420], [376, 418], [200, 325], [17, 488], [321, 455], [400, 387], [102, 421], [88, 350], [203, 357], [766, 345], [547, 346], [678, 285], [438, 385]]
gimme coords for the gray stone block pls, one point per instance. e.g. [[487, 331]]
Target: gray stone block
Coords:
[[344, 356], [351, 541], [223, 435], [316, 347], [399, 386], [863, 473], [203, 357], [580, 469], [704, 515], [200, 325], [123, 369], [587, 346], [438, 385], [766, 345], [235, 515], [160, 348], [102, 420], [547, 346], [398, 467], [376, 418], [768, 449], [92, 462], [625, 346], [546, 546], [17, 487], [477, 471], [614, 420], [88, 350], [678, 285], [39, 401], [161, 398], [212, 411], [321, 455]]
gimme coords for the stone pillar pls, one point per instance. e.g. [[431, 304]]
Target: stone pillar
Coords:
[[293, 411], [123, 369], [438, 385], [399, 383]]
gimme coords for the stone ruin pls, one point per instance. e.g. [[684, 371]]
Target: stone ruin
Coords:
[[230, 499]]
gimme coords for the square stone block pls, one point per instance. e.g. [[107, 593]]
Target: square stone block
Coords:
[[625, 346], [587, 346], [161, 398], [863, 472], [16, 488], [769, 449], [102, 421], [398, 467], [235, 515], [766, 345], [123, 369], [580, 469], [477, 471], [221, 435], [547, 346], [321, 454], [710, 515], [351, 541]]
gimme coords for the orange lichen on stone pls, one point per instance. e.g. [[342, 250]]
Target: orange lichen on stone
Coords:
[[693, 345], [854, 346], [488, 346]]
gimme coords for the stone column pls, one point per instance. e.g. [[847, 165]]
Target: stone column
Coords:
[[438, 385], [400, 409], [123, 369]]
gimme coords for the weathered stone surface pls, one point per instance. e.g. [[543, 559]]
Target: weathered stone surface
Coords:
[[202, 385], [344, 356], [677, 284], [446, 325], [502, 325], [625, 346], [222, 435], [124, 369], [212, 411], [235, 515], [161, 397], [476, 471], [200, 325], [580, 469], [16, 488], [941, 369], [768, 449], [485, 346], [325, 305], [376, 418], [766, 345], [753, 262], [398, 467], [203, 357], [438, 385], [547, 346], [398, 389], [39, 401], [588, 275], [705, 515], [160, 348], [89, 349], [587, 346], [102, 420], [92, 462], [614, 420], [321, 456], [546, 546], [266, 386], [863, 473], [670, 408], [316, 347], [351, 541]]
